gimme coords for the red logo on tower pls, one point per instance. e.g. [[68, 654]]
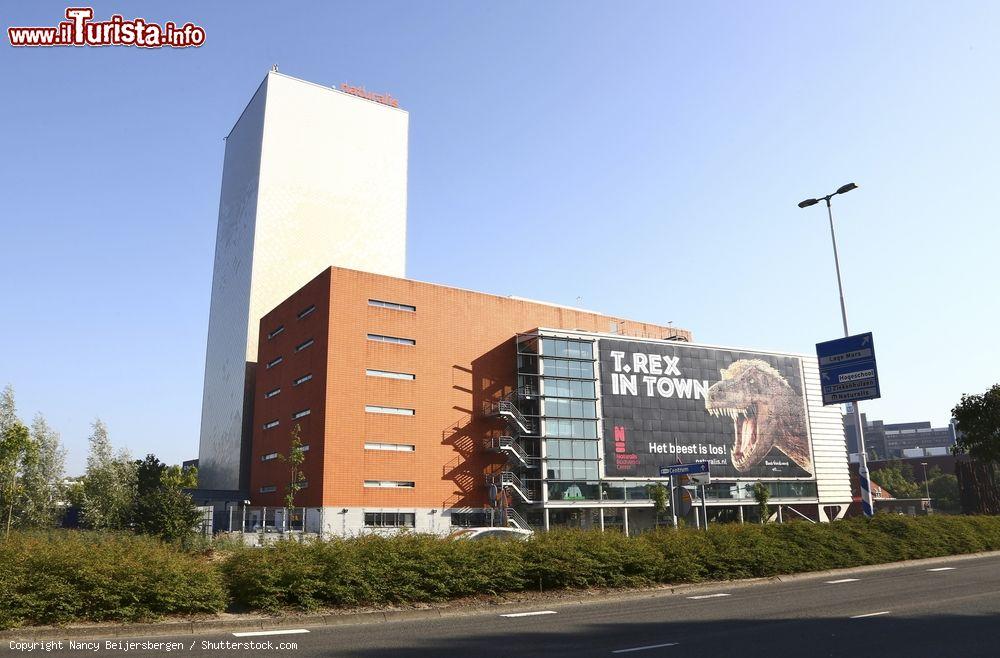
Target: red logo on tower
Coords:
[[625, 461]]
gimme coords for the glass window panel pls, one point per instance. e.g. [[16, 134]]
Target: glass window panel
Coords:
[[590, 449], [579, 450]]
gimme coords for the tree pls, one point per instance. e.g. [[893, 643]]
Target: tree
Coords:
[[762, 494], [15, 450], [658, 494], [295, 458], [109, 484], [897, 478], [978, 418], [944, 492], [8, 409], [162, 508], [43, 489]]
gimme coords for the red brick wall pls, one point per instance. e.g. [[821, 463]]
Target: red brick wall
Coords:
[[464, 354]]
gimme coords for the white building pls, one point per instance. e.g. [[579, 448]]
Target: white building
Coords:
[[313, 177]]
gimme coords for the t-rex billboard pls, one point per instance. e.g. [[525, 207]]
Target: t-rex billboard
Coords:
[[743, 412]]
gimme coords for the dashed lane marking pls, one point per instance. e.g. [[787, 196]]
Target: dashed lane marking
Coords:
[[529, 614], [650, 646]]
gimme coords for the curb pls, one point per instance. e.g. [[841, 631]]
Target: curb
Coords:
[[196, 627]]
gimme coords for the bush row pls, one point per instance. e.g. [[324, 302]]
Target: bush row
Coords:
[[408, 569], [60, 577]]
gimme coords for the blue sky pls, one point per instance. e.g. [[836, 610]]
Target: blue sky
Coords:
[[645, 158]]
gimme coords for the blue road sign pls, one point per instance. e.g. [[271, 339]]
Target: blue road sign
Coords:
[[683, 469], [847, 370]]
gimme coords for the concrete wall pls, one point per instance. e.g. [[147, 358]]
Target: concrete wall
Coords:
[[313, 177]]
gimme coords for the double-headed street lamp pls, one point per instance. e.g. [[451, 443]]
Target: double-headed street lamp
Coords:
[[866, 487]]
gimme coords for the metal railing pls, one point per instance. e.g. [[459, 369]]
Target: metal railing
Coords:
[[508, 479], [509, 445], [510, 410], [513, 517]]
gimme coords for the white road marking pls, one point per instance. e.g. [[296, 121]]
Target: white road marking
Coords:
[[842, 580], [942, 569], [290, 631], [529, 614], [708, 596], [871, 614], [651, 646]]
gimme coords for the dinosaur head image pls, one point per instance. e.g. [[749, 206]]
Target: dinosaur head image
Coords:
[[766, 413]]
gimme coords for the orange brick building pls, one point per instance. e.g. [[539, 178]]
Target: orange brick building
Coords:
[[387, 380]]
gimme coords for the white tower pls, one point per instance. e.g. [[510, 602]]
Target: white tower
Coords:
[[313, 177]]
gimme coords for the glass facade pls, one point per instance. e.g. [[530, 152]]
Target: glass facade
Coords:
[[558, 392], [568, 415]]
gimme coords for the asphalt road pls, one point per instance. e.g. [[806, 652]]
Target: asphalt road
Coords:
[[942, 609]]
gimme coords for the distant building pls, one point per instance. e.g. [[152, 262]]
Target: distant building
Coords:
[[900, 437], [874, 436], [897, 440]]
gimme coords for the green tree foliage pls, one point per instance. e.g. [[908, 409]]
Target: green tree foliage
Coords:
[[43, 477], [658, 495], [897, 478], [295, 458], [978, 419], [17, 453], [109, 485], [16, 449], [161, 507], [944, 492], [762, 494]]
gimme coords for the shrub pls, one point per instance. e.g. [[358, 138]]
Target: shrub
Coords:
[[413, 568], [62, 576]]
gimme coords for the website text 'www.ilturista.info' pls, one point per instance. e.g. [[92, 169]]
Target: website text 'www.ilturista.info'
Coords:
[[81, 30]]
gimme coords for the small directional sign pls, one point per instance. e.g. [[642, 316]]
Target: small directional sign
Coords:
[[847, 370], [683, 469]]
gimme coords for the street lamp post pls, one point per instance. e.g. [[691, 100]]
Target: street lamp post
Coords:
[[927, 486], [863, 478]]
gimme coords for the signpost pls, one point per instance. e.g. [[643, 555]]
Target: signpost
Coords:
[[847, 369], [848, 373], [698, 475], [683, 469]]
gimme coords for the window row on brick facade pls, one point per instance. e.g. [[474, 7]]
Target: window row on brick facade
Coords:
[[304, 313], [390, 519], [381, 338], [392, 305], [389, 374], [391, 447], [295, 416], [397, 411]]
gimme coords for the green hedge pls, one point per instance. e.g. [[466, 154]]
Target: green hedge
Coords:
[[417, 568], [66, 576]]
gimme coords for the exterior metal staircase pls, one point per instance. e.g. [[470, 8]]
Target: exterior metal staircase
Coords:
[[514, 483], [516, 520], [511, 447]]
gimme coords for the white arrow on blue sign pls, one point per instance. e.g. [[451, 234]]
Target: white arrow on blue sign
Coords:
[[847, 369], [683, 469]]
